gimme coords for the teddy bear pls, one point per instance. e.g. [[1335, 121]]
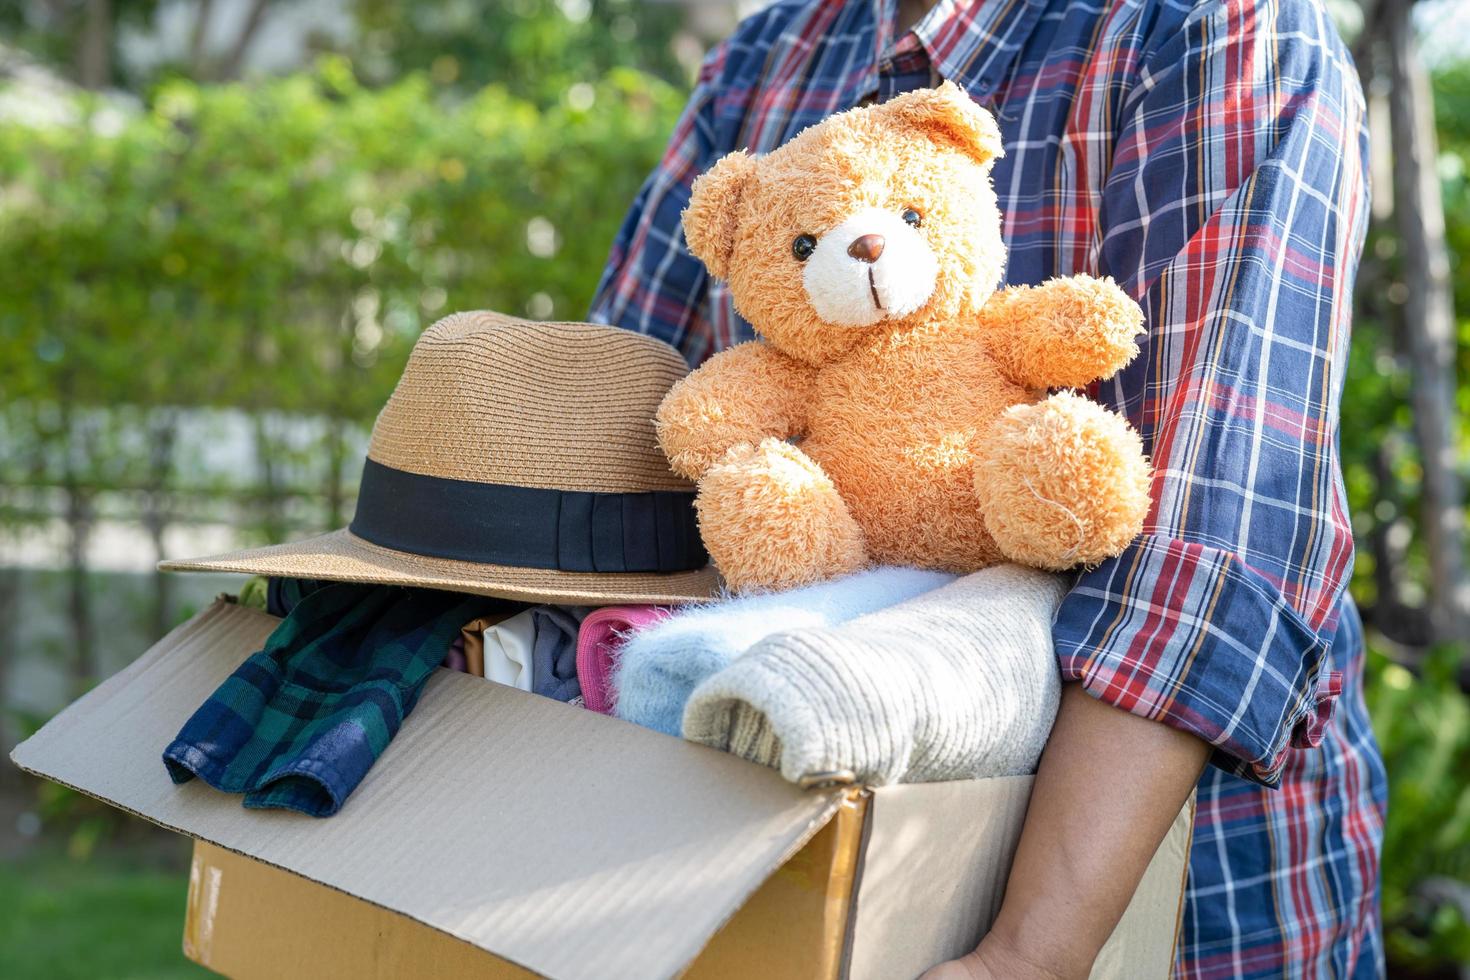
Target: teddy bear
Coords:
[[897, 406]]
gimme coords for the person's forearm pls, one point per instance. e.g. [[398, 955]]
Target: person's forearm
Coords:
[[1109, 786]]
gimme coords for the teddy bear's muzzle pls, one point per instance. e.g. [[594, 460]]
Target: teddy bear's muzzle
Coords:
[[871, 267]]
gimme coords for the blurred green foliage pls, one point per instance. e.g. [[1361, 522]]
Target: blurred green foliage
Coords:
[[1423, 725], [466, 45], [538, 48], [281, 245]]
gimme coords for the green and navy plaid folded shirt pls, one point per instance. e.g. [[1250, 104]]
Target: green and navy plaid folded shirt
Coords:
[[298, 725]]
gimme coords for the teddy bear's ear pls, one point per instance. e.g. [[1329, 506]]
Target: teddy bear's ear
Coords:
[[950, 115], [712, 217]]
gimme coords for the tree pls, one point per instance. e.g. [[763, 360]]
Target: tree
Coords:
[[1427, 327], [94, 48], [80, 34]]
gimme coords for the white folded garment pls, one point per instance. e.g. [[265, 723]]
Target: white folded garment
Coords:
[[959, 683], [508, 647]]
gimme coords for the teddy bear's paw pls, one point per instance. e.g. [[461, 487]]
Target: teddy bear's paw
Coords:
[[1108, 323], [771, 519], [1062, 482], [1067, 332]]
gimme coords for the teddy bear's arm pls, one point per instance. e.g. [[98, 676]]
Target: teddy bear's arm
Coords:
[[740, 396], [1063, 333]]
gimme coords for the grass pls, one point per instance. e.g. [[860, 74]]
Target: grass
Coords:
[[104, 918]]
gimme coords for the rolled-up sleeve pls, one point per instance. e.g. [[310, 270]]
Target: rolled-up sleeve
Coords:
[[1234, 210]]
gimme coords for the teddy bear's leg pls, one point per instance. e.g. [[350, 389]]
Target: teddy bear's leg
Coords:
[[1062, 482], [772, 519]]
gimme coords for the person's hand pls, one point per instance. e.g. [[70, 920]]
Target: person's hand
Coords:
[[991, 960], [1093, 824]]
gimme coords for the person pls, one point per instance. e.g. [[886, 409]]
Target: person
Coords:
[[1209, 155]]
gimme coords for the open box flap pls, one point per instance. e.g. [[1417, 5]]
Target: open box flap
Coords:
[[570, 843]]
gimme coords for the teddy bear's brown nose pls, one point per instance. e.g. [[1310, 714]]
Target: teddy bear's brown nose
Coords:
[[866, 248]]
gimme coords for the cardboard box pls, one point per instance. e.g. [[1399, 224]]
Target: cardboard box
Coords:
[[503, 834]]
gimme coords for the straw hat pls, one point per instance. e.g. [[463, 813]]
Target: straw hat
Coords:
[[515, 459]]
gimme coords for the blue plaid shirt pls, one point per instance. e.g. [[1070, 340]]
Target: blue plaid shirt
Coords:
[[1210, 156]]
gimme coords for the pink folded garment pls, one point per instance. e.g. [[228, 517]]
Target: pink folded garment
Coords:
[[602, 633]]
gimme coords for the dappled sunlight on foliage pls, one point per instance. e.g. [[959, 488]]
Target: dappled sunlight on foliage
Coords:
[[282, 245]]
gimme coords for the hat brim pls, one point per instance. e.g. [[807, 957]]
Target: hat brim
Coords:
[[342, 556]]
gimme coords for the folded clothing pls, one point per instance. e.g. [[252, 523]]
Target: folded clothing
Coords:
[[299, 724], [554, 651], [467, 651], [533, 650], [502, 650], [959, 683], [455, 658], [282, 594], [601, 638], [659, 667]]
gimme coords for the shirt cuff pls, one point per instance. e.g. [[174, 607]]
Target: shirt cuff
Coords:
[[1193, 637]]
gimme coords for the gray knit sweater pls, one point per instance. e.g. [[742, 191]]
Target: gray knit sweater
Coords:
[[959, 683]]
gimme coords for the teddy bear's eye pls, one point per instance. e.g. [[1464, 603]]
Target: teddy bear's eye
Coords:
[[803, 247], [913, 217]]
